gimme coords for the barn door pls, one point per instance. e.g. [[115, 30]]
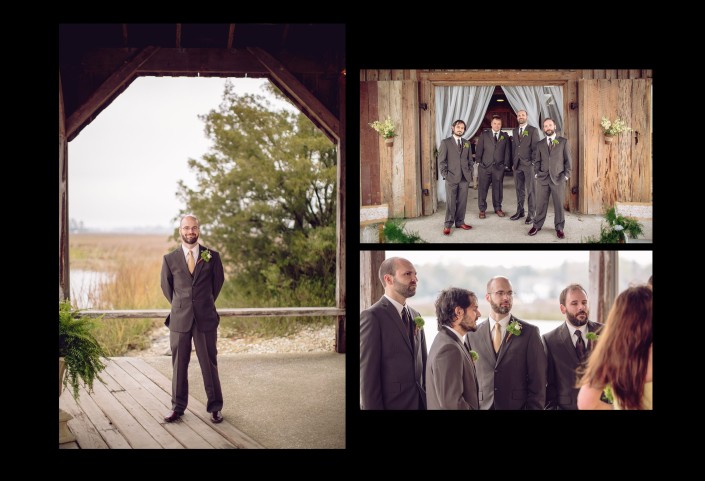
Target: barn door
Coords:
[[619, 171]]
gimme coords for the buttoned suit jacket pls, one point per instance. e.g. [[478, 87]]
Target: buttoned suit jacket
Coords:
[[487, 153], [192, 298], [514, 378], [524, 148], [450, 374], [455, 165], [556, 165], [392, 373], [561, 392]]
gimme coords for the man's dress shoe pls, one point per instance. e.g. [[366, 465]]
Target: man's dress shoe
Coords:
[[560, 234], [446, 231], [172, 416], [533, 231], [464, 226], [517, 216], [216, 417]]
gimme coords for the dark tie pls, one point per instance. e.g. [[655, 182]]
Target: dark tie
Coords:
[[550, 145], [408, 324], [496, 137], [580, 346], [460, 146]]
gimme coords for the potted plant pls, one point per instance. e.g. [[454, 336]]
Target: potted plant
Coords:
[[385, 129], [617, 225], [610, 129]]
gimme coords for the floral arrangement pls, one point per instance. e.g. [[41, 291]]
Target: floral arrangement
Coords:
[[206, 255], [474, 356], [526, 133], [418, 320], [385, 129], [613, 128], [554, 141], [514, 328], [591, 336], [616, 226], [501, 137]]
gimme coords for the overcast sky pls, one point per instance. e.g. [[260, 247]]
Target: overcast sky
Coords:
[[510, 258], [125, 165]]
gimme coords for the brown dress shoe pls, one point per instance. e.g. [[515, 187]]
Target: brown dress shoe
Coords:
[[464, 226], [482, 214], [560, 234], [499, 213], [533, 231], [172, 416], [446, 231], [216, 417]]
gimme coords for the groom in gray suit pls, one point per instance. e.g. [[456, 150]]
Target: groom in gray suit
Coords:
[[511, 368], [567, 347], [392, 349], [524, 141], [492, 152], [551, 170], [192, 277], [455, 161], [451, 382]]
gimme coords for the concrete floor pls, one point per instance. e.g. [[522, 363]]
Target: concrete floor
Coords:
[[502, 230]]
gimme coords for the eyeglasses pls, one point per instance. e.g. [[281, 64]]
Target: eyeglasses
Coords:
[[186, 229], [503, 293]]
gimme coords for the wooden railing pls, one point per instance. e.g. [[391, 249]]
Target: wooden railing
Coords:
[[245, 312]]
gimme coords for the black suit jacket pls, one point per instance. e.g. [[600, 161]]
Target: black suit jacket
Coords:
[[489, 153], [392, 373], [524, 148], [450, 374], [561, 392], [192, 298]]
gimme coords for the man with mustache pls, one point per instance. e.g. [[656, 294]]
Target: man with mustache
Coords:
[[511, 367], [392, 349], [567, 347]]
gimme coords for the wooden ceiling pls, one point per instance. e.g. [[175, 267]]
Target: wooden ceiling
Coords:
[[99, 61]]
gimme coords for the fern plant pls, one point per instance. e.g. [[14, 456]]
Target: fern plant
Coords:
[[394, 233], [617, 225], [79, 348]]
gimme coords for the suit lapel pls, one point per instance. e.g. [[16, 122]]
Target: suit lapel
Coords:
[[567, 342], [455, 339], [505, 342], [199, 263], [394, 317], [484, 336]]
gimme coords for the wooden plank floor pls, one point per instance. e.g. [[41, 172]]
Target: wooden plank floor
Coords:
[[128, 410]]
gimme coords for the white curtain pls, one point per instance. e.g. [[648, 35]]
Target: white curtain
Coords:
[[468, 104], [539, 102], [553, 106]]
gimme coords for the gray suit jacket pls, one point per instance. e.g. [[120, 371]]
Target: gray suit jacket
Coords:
[[455, 165], [561, 392], [524, 148], [555, 166], [450, 374], [192, 298], [392, 373], [515, 378], [487, 153]]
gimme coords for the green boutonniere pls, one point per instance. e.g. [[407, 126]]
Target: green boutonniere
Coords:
[[592, 336], [514, 328], [206, 255], [418, 320], [474, 356], [555, 142], [501, 137], [467, 146], [607, 394], [526, 133]]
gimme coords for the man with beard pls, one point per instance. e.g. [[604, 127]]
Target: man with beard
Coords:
[[493, 153], [567, 347], [392, 348], [511, 365], [551, 169], [455, 161], [524, 141], [450, 373], [192, 276]]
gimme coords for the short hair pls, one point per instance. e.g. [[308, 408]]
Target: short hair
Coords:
[[459, 122], [489, 283], [387, 267], [570, 288], [189, 215], [549, 118], [523, 110], [497, 117], [448, 300]]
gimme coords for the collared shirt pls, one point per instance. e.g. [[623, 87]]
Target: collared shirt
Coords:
[[194, 251], [552, 137], [503, 323], [456, 138], [583, 331], [397, 306], [462, 338]]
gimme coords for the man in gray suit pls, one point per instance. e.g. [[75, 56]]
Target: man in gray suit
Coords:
[[511, 366], [192, 277], [567, 347], [551, 170], [450, 371], [455, 161], [492, 152], [392, 349], [524, 141]]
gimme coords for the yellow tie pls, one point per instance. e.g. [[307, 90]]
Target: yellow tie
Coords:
[[189, 261], [497, 337]]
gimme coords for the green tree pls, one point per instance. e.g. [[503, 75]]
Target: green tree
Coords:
[[266, 201]]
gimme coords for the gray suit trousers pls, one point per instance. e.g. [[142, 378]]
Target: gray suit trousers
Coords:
[[524, 185], [206, 350], [456, 202], [557, 192], [490, 175]]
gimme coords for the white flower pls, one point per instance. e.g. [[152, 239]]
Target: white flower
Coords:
[[618, 227]]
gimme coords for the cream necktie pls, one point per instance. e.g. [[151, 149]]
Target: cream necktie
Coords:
[[497, 336], [190, 262]]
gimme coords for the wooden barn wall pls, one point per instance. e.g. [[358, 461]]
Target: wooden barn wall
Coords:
[[619, 171], [370, 190]]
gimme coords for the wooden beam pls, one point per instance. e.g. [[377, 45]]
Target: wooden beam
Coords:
[[371, 288], [603, 275], [505, 77], [340, 222], [178, 35], [312, 107], [96, 101], [124, 35], [64, 286], [231, 35], [285, 34], [205, 61]]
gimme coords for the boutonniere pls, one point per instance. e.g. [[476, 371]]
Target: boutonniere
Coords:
[[607, 395], [555, 142], [501, 137], [591, 336], [514, 328], [474, 356], [466, 145], [206, 255], [526, 133], [418, 320]]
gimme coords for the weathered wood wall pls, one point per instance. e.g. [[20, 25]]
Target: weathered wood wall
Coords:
[[603, 267], [370, 189], [63, 202], [371, 288], [588, 74]]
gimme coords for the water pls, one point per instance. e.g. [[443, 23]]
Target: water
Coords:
[[431, 325], [85, 289]]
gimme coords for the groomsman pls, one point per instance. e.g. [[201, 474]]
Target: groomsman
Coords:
[[567, 347], [455, 161], [392, 351], [524, 141], [450, 371], [492, 152], [511, 365], [552, 171]]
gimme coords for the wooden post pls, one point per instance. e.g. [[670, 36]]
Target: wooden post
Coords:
[[371, 288], [340, 223], [602, 290], [64, 286]]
